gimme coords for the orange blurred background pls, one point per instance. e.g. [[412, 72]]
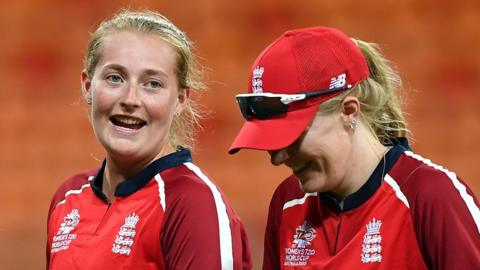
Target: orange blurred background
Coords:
[[46, 137]]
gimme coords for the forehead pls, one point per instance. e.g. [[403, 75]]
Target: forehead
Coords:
[[138, 51]]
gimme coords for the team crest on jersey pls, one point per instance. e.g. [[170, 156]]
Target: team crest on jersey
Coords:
[[298, 254], [257, 83], [63, 238], [372, 242], [124, 239]]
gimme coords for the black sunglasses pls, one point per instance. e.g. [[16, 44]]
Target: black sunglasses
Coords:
[[268, 105]]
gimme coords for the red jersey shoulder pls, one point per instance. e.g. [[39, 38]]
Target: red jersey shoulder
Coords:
[[197, 212], [73, 183], [183, 182], [444, 209], [184, 177], [188, 187], [426, 180]]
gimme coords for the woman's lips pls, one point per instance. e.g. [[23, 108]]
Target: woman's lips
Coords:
[[127, 122], [297, 169]]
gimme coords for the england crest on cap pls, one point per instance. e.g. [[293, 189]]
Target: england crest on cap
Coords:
[[257, 82]]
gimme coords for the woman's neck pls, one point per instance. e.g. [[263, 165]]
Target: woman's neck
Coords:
[[366, 154], [118, 170]]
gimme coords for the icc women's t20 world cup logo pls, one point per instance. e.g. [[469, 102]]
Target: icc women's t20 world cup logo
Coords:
[[304, 234], [300, 251]]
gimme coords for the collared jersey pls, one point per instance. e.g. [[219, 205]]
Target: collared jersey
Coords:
[[168, 216], [410, 214]]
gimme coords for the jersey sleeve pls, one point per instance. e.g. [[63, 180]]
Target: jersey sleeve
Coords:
[[72, 183], [286, 191], [200, 230], [271, 257], [446, 219]]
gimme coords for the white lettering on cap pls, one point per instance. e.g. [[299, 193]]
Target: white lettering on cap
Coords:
[[257, 82]]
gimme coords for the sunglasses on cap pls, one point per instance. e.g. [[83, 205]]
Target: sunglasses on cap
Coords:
[[264, 106]]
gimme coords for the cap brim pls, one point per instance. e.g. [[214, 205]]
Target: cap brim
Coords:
[[273, 134]]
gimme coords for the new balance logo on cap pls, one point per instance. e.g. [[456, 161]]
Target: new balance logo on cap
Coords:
[[339, 81], [257, 82]]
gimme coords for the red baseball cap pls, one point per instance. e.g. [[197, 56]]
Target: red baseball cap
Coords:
[[301, 60]]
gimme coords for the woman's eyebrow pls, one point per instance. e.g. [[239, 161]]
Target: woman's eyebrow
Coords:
[[118, 67], [155, 72]]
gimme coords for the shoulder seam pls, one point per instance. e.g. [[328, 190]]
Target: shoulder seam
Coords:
[[226, 249], [75, 191], [161, 191], [398, 192], [298, 201], [459, 186]]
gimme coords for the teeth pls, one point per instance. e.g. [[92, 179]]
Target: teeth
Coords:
[[129, 121]]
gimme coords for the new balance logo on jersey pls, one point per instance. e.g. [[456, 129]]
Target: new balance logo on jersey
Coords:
[[63, 238], [124, 240], [298, 254], [339, 81], [257, 82], [372, 242]]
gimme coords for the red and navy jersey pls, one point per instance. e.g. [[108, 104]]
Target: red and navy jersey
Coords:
[[410, 214], [168, 216]]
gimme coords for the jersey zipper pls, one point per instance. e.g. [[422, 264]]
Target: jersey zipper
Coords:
[[337, 234], [105, 218]]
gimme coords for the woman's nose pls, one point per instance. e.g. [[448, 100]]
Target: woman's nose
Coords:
[[130, 99]]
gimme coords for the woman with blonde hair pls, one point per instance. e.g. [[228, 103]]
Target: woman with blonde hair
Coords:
[[327, 107], [148, 206]]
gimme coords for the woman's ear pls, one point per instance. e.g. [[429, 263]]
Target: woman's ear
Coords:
[[183, 96], [86, 87], [350, 109]]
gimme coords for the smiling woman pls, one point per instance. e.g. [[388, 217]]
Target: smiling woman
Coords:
[[358, 197], [134, 95], [147, 206]]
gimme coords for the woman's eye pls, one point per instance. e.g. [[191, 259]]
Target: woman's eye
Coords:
[[114, 78], [153, 84]]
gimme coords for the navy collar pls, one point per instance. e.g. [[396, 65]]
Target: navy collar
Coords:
[[138, 181], [366, 191]]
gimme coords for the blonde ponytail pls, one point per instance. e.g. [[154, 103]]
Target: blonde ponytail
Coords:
[[379, 96]]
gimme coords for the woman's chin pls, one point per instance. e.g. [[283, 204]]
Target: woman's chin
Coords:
[[307, 185], [314, 183], [123, 152]]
